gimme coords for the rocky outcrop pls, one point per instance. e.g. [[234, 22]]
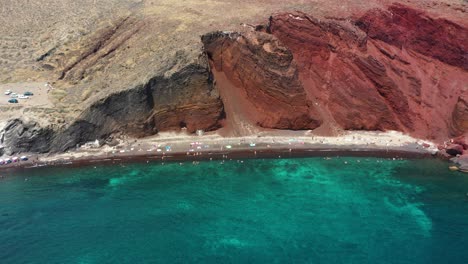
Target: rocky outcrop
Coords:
[[454, 149], [265, 70], [458, 149], [460, 115], [19, 136], [185, 99]]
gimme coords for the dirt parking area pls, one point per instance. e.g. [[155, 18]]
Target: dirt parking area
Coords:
[[40, 97]]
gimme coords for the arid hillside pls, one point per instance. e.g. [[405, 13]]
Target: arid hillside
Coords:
[[137, 67]]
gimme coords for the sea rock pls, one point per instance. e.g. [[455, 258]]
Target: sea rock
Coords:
[[461, 161], [454, 149], [463, 168]]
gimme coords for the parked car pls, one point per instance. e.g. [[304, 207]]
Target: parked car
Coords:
[[28, 94], [23, 96], [13, 101], [8, 92], [13, 95]]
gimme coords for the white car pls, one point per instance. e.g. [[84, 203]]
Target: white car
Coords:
[[23, 97], [8, 92], [13, 95]]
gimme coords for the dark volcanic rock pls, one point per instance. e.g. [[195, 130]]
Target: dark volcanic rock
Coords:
[[22, 136], [454, 149], [185, 99]]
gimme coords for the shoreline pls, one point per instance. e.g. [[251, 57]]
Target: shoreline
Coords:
[[226, 155], [180, 146], [240, 153]]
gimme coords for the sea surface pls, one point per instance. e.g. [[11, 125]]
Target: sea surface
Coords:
[[308, 210]]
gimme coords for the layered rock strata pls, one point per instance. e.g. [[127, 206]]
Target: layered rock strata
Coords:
[[395, 69], [186, 99]]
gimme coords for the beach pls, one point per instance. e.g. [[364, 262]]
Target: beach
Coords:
[[172, 146]]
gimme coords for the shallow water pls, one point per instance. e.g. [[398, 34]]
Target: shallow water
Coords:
[[311, 210]]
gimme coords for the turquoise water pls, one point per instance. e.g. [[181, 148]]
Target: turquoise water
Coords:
[[311, 210]]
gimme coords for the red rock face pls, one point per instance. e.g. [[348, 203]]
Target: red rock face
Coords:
[[460, 115], [405, 27], [265, 69], [395, 69]]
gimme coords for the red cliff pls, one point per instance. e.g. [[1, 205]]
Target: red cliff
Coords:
[[394, 69]]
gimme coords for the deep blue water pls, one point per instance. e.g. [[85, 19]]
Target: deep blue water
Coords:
[[311, 210]]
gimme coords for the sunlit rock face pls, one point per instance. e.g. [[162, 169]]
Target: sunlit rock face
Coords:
[[393, 69]]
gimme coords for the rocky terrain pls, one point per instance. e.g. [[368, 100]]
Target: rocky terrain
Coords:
[[134, 68]]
